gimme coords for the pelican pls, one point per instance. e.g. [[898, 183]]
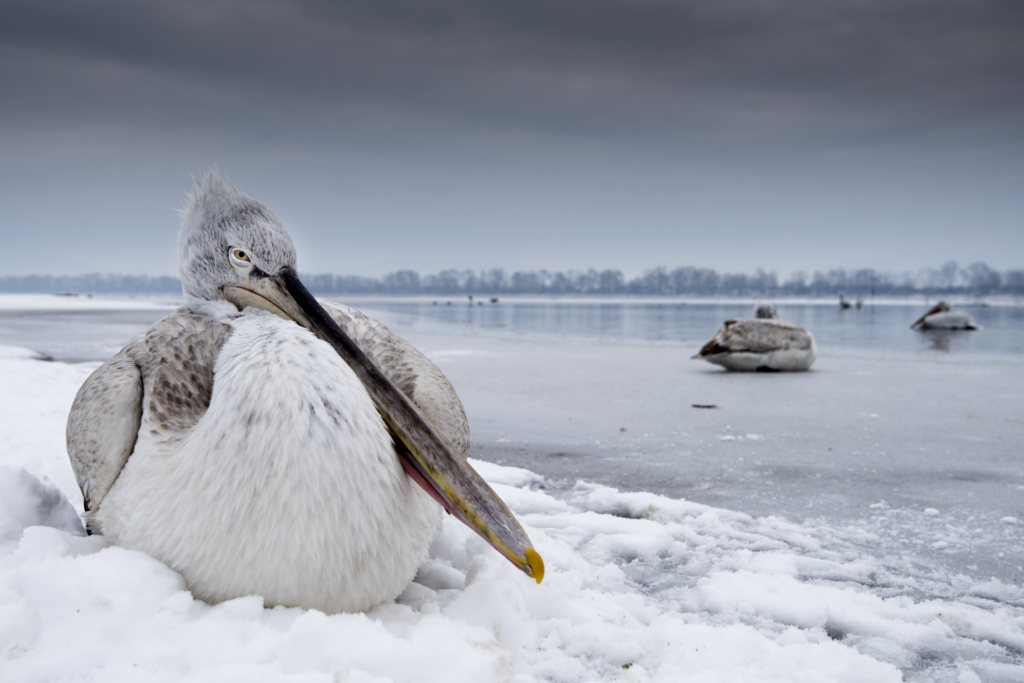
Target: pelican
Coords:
[[765, 344], [942, 317], [261, 442]]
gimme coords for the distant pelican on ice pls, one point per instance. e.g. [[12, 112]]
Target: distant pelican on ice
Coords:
[[765, 344], [261, 442], [942, 317]]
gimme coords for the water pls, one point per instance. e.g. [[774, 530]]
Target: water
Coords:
[[881, 327], [76, 335]]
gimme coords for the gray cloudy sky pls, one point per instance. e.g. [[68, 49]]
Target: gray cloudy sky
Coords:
[[560, 134]]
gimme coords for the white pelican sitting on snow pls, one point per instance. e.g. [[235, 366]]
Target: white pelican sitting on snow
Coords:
[[262, 443], [942, 317], [765, 344]]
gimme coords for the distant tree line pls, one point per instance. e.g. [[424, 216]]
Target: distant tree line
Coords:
[[93, 284], [977, 279]]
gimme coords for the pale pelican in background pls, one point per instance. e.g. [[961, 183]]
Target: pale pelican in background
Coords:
[[942, 317], [261, 442], [765, 344]]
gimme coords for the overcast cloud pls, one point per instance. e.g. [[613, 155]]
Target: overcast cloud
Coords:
[[397, 134]]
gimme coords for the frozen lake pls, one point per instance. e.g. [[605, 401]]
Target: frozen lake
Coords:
[[892, 469], [882, 327], [87, 330], [916, 435], [888, 419]]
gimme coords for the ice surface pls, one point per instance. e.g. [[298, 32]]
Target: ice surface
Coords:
[[908, 450], [75, 329]]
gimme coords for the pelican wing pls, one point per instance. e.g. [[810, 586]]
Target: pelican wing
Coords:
[[164, 377], [948, 320], [937, 309], [103, 426], [161, 381], [756, 336], [409, 370]]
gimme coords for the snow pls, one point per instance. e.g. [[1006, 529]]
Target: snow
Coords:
[[63, 302], [639, 586]]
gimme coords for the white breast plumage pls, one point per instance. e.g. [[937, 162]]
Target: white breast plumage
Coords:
[[290, 461]]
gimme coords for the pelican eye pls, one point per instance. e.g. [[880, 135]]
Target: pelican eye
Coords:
[[239, 259]]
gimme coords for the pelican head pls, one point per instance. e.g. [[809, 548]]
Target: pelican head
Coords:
[[231, 247], [941, 307], [765, 311], [228, 238]]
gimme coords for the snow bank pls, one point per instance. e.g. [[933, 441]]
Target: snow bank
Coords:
[[75, 608], [639, 587]]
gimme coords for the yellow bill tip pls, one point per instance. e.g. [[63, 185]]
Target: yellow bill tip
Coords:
[[536, 564]]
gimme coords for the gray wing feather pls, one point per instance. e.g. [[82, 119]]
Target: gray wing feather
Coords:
[[103, 426], [757, 336], [409, 370], [163, 378]]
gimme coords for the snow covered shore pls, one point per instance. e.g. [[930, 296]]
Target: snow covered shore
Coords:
[[75, 302], [639, 587]]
